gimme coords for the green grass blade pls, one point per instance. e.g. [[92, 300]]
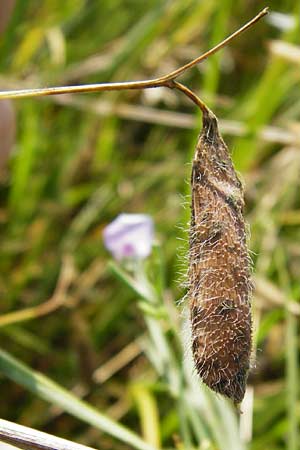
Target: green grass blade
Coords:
[[50, 391], [23, 165], [220, 26], [141, 290], [292, 357], [148, 411]]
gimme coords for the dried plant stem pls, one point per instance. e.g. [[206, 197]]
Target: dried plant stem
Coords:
[[191, 95], [57, 300], [30, 439], [163, 81]]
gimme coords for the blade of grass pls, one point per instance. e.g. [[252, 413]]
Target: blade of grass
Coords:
[[292, 355], [23, 164], [166, 359], [30, 439], [213, 72], [184, 424], [137, 39], [148, 412], [129, 281], [8, 39], [26, 339], [264, 99], [197, 423], [50, 391]]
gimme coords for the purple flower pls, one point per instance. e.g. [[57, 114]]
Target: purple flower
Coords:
[[129, 236]]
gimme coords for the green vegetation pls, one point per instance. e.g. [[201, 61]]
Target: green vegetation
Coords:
[[105, 361]]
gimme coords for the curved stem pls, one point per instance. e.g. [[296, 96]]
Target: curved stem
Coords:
[[181, 87], [57, 300], [163, 81]]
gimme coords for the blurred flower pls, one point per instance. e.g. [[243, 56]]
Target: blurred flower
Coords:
[[129, 236]]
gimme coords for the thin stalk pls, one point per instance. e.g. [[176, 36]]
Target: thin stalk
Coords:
[[30, 439], [191, 95], [163, 81], [57, 300], [292, 355], [184, 424], [53, 393]]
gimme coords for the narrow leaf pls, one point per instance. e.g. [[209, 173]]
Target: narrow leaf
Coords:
[[53, 393]]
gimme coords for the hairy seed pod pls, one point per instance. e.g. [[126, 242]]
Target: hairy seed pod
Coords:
[[219, 268]]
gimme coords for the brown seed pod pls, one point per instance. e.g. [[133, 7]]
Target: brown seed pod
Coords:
[[219, 268]]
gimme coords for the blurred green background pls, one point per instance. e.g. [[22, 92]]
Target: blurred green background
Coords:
[[78, 161]]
